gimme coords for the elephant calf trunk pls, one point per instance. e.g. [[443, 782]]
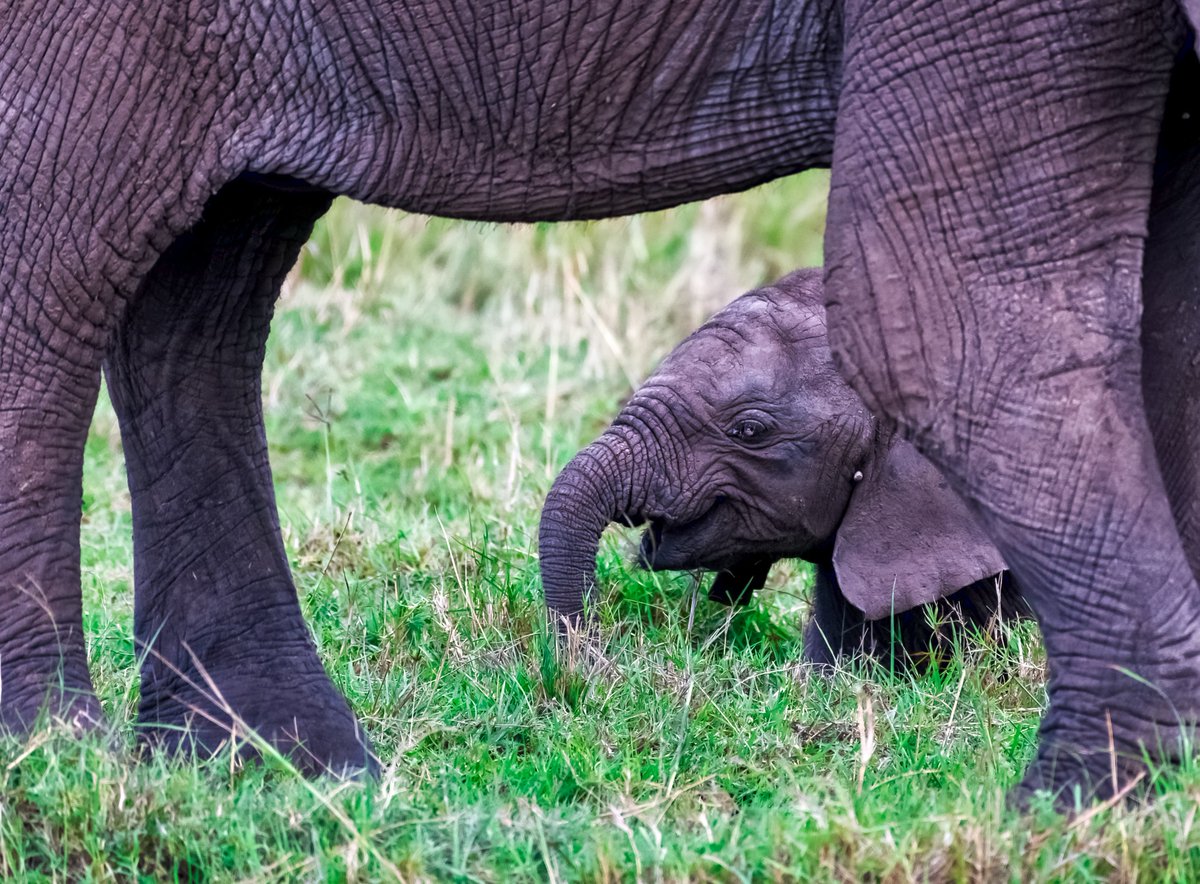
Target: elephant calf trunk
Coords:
[[593, 490]]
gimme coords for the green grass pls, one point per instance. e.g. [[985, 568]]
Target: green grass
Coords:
[[425, 382]]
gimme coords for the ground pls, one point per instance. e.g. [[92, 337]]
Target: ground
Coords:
[[425, 382]]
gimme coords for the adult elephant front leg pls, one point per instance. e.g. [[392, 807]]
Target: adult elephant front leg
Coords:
[[216, 617], [986, 228]]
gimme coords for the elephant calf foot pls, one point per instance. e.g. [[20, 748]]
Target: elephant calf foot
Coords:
[[292, 708]]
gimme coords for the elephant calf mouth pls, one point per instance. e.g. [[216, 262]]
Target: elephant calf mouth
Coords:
[[737, 579], [668, 547], [651, 544]]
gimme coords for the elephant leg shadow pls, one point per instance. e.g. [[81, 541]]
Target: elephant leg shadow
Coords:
[[224, 645]]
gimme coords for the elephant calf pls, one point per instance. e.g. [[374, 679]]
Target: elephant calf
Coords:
[[746, 446]]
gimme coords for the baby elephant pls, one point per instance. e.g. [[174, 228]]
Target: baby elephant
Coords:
[[745, 447]]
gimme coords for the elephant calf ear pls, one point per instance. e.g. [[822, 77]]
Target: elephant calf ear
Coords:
[[907, 538]]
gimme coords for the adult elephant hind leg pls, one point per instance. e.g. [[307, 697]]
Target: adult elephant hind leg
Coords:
[[46, 402], [216, 618], [985, 293], [1171, 295]]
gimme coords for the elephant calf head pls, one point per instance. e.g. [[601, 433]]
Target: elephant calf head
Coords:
[[746, 446]]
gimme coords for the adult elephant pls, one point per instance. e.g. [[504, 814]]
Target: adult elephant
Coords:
[[992, 162]]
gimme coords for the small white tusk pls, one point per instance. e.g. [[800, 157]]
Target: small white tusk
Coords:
[[857, 476]]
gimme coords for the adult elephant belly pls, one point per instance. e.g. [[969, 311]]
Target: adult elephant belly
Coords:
[[557, 110]]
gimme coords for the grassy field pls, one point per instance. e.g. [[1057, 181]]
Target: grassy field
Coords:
[[425, 382]]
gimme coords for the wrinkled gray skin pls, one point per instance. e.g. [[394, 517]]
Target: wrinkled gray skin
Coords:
[[994, 178], [746, 446]]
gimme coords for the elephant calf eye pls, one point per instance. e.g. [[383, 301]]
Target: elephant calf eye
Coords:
[[747, 430]]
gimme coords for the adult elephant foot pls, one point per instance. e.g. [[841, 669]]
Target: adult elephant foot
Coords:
[[282, 700], [52, 688], [997, 320], [43, 663], [1123, 645], [1074, 778], [216, 616], [1123, 700]]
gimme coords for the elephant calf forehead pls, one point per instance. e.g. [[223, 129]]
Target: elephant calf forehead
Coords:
[[770, 316], [761, 339]]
